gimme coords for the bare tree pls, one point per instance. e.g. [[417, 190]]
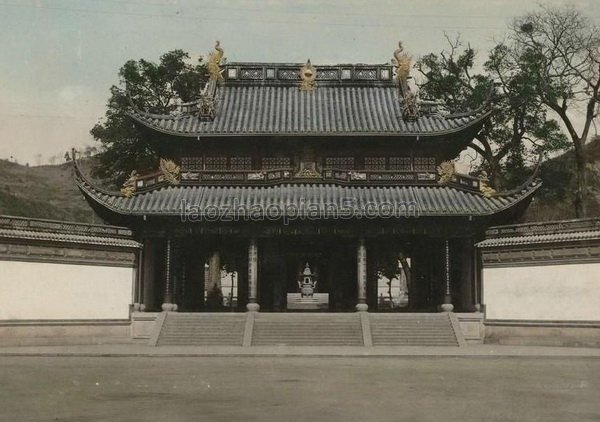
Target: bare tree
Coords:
[[559, 50], [518, 131]]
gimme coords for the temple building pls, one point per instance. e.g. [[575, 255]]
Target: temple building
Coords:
[[281, 170]]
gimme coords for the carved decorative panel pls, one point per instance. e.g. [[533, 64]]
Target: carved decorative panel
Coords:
[[328, 74], [288, 74], [251, 73], [276, 163], [241, 163], [425, 164], [374, 163], [343, 163], [400, 163], [216, 163], [191, 163], [366, 74]]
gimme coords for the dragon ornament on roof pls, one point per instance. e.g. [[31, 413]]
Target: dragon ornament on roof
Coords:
[[402, 65]]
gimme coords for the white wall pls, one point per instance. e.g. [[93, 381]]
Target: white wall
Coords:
[[32, 290], [552, 292]]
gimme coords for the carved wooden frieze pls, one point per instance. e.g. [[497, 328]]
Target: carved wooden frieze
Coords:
[[67, 255], [541, 255]]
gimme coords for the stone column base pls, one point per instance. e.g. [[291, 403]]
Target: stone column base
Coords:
[[362, 307], [446, 307], [169, 307], [253, 307]]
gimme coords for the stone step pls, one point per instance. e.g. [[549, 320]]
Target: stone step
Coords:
[[307, 330], [202, 329], [412, 329]]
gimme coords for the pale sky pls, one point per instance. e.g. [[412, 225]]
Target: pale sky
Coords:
[[60, 57]]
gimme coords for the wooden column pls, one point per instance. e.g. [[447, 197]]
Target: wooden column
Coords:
[[148, 301], [168, 304], [214, 297], [447, 305], [137, 281], [361, 275], [253, 276], [467, 275]]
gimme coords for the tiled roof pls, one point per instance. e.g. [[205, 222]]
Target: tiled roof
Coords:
[[542, 232], [323, 199], [286, 110], [67, 238], [542, 238]]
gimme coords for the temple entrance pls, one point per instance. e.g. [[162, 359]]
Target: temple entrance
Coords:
[[283, 267], [309, 273], [405, 275]]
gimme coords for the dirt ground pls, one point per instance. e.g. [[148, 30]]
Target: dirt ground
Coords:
[[298, 389]]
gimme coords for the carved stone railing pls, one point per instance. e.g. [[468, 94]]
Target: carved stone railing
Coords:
[[356, 177], [379, 176], [466, 181], [546, 227], [43, 225], [400, 177]]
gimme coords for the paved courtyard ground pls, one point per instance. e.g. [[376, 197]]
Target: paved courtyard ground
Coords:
[[299, 389]]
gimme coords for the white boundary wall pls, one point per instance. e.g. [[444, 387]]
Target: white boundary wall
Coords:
[[568, 292], [57, 291]]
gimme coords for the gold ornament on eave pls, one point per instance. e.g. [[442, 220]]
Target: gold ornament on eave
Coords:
[[170, 170], [129, 185], [446, 171], [401, 62], [308, 74], [484, 187], [213, 64]]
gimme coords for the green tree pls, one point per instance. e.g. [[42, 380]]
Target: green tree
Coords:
[[557, 49], [152, 87], [518, 131]]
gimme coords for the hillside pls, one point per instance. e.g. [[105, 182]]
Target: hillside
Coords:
[[43, 192], [554, 200]]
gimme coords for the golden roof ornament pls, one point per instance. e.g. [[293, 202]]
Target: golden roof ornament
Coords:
[[213, 64], [484, 187], [170, 170], [401, 62], [308, 74], [129, 185], [446, 170], [402, 66]]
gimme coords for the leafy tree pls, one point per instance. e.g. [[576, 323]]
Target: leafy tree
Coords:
[[152, 87], [518, 131], [557, 50]]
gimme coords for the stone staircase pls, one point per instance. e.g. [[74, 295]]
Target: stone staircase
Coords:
[[306, 329], [202, 329], [412, 330]]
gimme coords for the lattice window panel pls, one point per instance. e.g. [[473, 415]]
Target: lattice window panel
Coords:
[[289, 74], [424, 163], [342, 163], [327, 74], [216, 163], [400, 163], [365, 74], [240, 163], [252, 73], [374, 163], [191, 163], [276, 163]]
